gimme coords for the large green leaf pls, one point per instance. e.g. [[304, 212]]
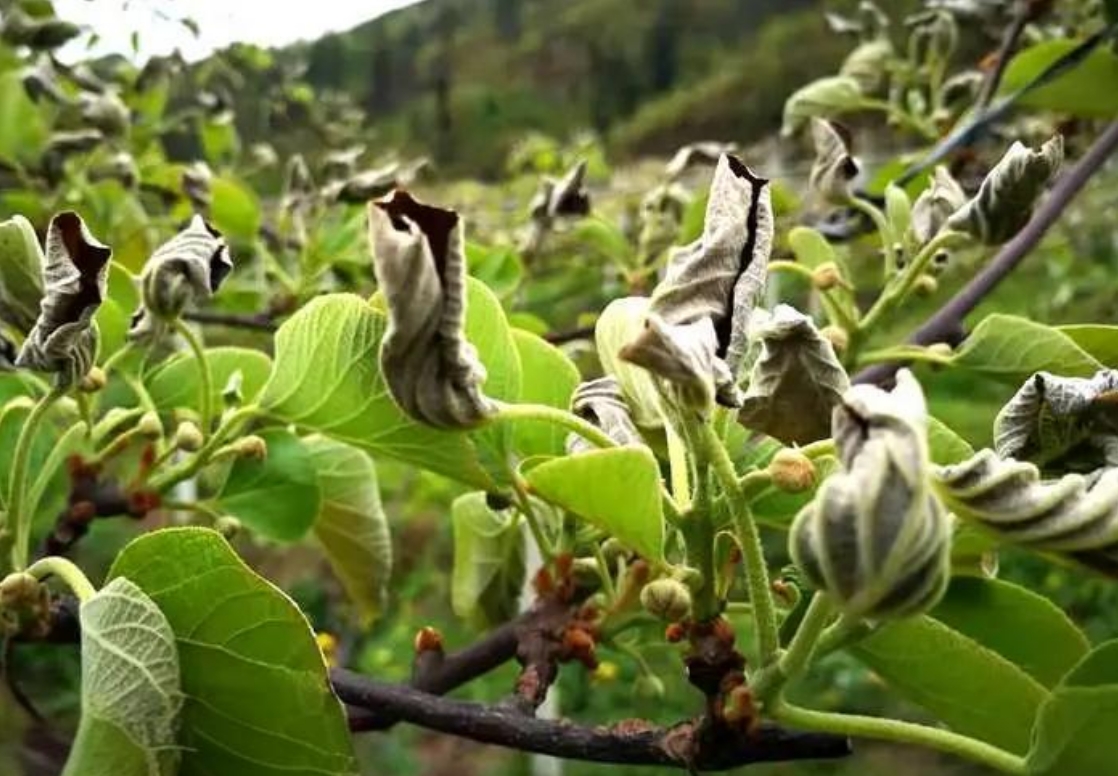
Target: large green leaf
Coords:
[[548, 378], [1098, 340], [114, 316], [257, 699], [176, 382], [944, 445], [500, 268], [489, 563], [617, 489], [966, 685], [351, 525], [1013, 348], [130, 687], [1075, 730], [1088, 89], [326, 378], [277, 497], [23, 128], [996, 614], [235, 210]]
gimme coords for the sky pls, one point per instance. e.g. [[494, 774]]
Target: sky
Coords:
[[220, 22]]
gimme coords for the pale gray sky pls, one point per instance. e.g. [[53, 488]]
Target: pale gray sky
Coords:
[[220, 22]]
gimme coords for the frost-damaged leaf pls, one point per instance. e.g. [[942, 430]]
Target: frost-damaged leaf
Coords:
[[130, 687], [257, 695], [489, 564], [185, 270], [935, 205], [601, 403], [621, 322], [75, 276], [39, 33], [433, 372], [833, 168], [1065, 419], [1075, 516], [326, 379], [617, 490], [874, 537], [21, 267], [796, 380], [565, 197], [1004, 202], [351, 525], [696, 331], [1074, 731], [706, 152]]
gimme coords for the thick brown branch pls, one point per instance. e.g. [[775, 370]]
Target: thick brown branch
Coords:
[[685, 745], [949, 318], [562, 337]]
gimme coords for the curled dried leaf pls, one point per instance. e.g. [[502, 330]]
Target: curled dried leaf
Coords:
[[602, 403], [343, 162], [1070, 422], [834, 168], [75, 273], [104, 111], [197, 178], [796, 381], [1075, 516], [933, 38], [185, 270], [40, 81], [565, 197], [1004, 202], [706, 153], [935, 205], [119, 167], [432, 371], [39, 33], [874, 537]]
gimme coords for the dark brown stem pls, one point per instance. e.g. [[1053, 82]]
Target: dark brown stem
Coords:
[[949, 318], [254, 322], [688, 745], [1023, 13], [562, 337]]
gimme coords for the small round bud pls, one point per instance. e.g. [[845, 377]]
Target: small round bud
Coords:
[[649, 687], [675, 633], [585, 571], [926, 285], [228, 526], [93, 381], [612, 549], [606, 672], [252, 446], [827, 276], [941, 349], [668, 599], [792, 471], [188, 437], [691, 577], [837, 336], [18, 589], [150, 425], [428, 639]]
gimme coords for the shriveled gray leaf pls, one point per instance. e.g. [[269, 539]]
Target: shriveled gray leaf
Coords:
[[796, 381], [935, 205], [1061, 421], [962, 88], [661, 216], [370, 184], [119, 167], [869, 22], [297, 200], [197, 180], [874, 537], [75, 274], [104, 111], [39, 33], [565, 197], [41, 83], [602, 403], [1004, 202], [705, 153], [824, 98], [62, 145], [933, 36], [432, 371], [1075, 516], [185, 270], [21, 278], [342, 163], [131, 696], [834, 168]]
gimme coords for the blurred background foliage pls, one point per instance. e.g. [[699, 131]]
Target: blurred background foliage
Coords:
[[495, 93]]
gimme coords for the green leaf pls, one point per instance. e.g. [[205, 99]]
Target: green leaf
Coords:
[[220, 142], [23, 126], [617, 489], [898, 209], [945, 446], [326, 379], [277, 497], [618, 325], [500, 268], [114, 316], [489, 565], [235, 210], [1098, 340], [964, 684], [1014, 348], [351, 525], [549, 377], [599, 237], [174, 384], [257, 699], [1074, 733], [130, 687], [1088, 89], [996, 614]]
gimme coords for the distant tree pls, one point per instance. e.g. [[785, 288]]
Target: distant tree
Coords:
[[661, 46], [506, 18]]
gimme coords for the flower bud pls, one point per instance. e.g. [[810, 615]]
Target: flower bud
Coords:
[[188, 437], [150, 425], [827, 276], [18, 589], [228, 526], [668, 599], [874, 537], [252, 447], [792, 471], [93, 381], [837, 336], [925, 285]]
